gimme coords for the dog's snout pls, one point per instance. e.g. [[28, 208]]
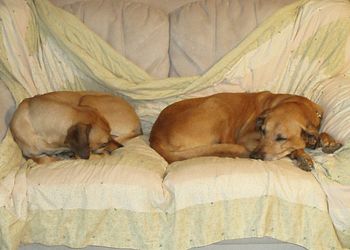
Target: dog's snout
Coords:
[[84, 154], [258, 155]]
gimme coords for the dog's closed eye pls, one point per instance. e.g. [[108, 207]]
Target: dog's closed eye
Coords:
[[280, 138]]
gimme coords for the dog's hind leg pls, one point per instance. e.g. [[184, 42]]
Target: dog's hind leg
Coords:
[[125, 137]]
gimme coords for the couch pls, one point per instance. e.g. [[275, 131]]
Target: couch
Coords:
[[153, 53]]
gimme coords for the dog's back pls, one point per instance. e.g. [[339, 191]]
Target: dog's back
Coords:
[[120, 115], [201, 127]]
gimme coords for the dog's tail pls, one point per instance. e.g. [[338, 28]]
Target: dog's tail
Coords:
[[222, 150]]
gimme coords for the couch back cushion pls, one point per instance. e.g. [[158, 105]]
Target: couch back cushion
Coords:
[[177, 38], [136, 30], [202, 32]]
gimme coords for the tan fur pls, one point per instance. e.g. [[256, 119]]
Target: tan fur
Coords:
[[55, 123], [258, 125]]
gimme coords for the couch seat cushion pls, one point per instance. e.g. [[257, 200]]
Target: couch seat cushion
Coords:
[[131, 179], [221, 198], [211, 179]]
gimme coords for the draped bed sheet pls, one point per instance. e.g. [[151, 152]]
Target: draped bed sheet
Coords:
[[133, 198]]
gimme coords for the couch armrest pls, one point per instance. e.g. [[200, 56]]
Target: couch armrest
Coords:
[[7, 108]]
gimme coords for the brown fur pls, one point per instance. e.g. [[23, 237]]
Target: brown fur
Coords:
[[47, 127], [257, 125]]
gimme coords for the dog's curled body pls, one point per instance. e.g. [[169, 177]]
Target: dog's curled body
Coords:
[[258, 125], [199, 127], [120, 115], [45, 126], [40, 126]]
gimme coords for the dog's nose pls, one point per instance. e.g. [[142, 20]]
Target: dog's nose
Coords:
[[84, 154], [258, 155]]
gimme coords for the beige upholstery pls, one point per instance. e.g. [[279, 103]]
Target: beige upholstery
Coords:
[[166, 5], [199, 32], [198, 43], [7, 107], [133, 29]]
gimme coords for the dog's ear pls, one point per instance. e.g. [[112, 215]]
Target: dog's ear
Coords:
[[310, 130], [78, 139], [261, 120]]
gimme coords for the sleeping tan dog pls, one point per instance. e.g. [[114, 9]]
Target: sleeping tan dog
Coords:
[[52, 126], [257, 125]]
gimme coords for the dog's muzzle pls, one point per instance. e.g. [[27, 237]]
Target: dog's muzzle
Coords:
[[84, 153], [258, 155]]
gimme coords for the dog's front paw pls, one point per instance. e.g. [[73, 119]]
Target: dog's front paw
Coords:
[[328, 144], [330, 149], [302, 159], [305, 164]]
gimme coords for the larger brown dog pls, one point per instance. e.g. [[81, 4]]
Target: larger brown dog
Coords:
[[257, 125], [58, 123]]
